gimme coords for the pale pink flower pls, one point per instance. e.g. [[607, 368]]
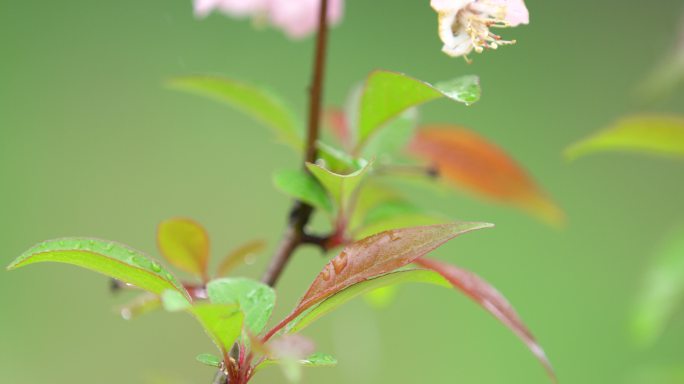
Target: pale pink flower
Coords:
[[464, 25], [297, 18]]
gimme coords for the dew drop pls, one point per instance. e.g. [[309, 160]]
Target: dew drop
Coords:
[[155, 266], [340, 262], [137, 260], [126, 313], [325, 275], [394, 236]]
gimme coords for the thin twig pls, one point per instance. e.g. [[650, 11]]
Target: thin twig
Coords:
[[301, 212]]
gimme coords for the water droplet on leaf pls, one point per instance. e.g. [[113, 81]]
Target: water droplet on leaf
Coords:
[[155, 267], [340, 262]]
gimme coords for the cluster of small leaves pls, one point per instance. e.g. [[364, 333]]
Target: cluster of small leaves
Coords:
[[379, 139], [377, 136], [235, 311]]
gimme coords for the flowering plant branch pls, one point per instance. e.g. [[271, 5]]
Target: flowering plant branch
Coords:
[[384, 237], [301, 211]]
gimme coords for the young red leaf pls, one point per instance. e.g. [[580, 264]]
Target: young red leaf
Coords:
[[379, 254], [478, 165], [492, 301], [374, 256]]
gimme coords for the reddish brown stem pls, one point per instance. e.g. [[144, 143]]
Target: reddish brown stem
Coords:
[[301, 212]]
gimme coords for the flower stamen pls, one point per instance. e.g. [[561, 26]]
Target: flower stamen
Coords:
[[465, 26]]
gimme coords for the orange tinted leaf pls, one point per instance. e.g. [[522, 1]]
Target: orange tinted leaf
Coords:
[[239, 256], [185, 244], [491, 300], [472, 162], [374, 256]]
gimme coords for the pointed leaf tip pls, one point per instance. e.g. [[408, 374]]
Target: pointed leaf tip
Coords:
[[493, 302], [387, 94], [261, 104], [107, 257], [656, 135], [209, 359], [376, 255], [340, 187], [382, 253], [469, 161]]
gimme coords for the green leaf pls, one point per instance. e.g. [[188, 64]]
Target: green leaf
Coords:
[[382, 297], [209, 359], [337, 160], [184, 243], [106, 257], [316, 359], [258, 103], [173, 301], [390, 141], [255, 299], [340, 187], [222, 323], [336, 300], [387, 94], [320, 360], [658, 135], [302, 186], [662, 291]]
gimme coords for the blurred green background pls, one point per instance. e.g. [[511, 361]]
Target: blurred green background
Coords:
[[92, 144]]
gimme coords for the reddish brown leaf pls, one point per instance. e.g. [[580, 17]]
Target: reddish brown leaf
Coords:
[[379, 254], [472, 162], [492, 301], [374, 256]]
